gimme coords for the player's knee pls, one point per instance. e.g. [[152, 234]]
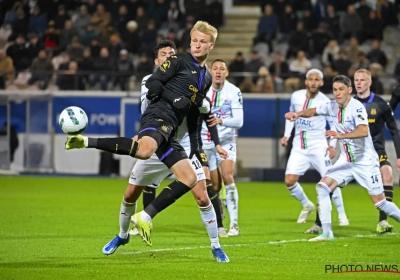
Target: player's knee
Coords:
[[189, 179], [228, 178], [289, 181], [202, 199], [147, 147], [387, 179], [130, 194]]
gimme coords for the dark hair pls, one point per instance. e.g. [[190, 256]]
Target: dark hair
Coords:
[[164, 44], [343, 80], [218, 60]]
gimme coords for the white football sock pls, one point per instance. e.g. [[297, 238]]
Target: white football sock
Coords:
[[145, 217], [297, 192], [232, 203], [325, 207], [338, 201], [209, 219], [389, 208], [126, 211]]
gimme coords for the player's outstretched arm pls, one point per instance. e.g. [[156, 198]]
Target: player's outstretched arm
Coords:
[[307, 113], [360, 132]]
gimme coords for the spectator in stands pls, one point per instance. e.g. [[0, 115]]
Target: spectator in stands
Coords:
[[254, 64], [89, 34], [174, 12], [298, 41], [329, 74], [388, 14], [330, 53], [377, 85], [363, 10], [19, 54], [301, 64], [351, 24], [235, 67], [33, 47], [376, 55], [114, 47], [309, 21], [362, 62], [141, 19], [279, 70], [113, 7], [121, 19], [75, 49], [319, 39], [101, 68], [320, 10], [85, 65], [145, 67], [267, 28], [124, 70], [38, 22], [215, 13], [11, 15], [61, 18], [100, 19], [287, 22], [131, 37], [133, 6], [42, 70], [195, 8], [353, 49], [148, 37], [169, 26], [69, 80], [263, 83], [332, 20], [66, 35], [51, 37], [95, 48], [6, 69], [20, 25], [184, 42], [158, 10], [91, 6], [373, 27], [82, 20]]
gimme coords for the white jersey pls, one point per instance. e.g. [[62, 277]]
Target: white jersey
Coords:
[[309, 132], [182, 134], [226, 104], [345, 120]]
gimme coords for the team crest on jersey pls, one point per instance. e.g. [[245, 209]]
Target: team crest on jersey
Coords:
[[373, 111], [164, 128], [163, 67]]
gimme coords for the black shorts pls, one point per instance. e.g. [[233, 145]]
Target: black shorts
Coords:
[[383, 158]]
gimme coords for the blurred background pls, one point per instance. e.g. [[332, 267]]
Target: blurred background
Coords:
[[94, 53]]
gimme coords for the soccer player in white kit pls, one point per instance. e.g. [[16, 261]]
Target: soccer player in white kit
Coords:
[[310, 147], [227, 109], [358, 159], [152, 171]]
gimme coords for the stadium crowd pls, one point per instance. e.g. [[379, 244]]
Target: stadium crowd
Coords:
[[91, 44]]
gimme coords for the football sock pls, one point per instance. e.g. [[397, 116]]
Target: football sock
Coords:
[[389, 197], [126, 211], [297, 192], [149, 194], [317, 219], [210, 222], [116, 145], [389, 208], [337, 199], [232, 203], [214, 197], [166, 197], [325, 207]]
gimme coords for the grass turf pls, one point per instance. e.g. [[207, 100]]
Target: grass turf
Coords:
[[56, 227]]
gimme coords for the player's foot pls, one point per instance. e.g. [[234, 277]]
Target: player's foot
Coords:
[[304, 213], [234, 230], [134, 231], [220, 255], [383, 227], [222, 232], [143, 227], [75, 142], [323, 237], [343, 222], [113, 245], [314, 229]]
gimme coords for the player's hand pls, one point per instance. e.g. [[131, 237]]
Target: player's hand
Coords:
[[205, 107], [181, 103], [222, 153], [155, 92], [291, 116], [333, 134], [331, 150], [284, 141], [398, 164], [213, 121]]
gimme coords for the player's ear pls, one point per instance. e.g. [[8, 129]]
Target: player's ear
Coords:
[[212, 46], [350, 90], [156, 61]]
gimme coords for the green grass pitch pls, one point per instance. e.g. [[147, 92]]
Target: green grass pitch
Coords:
[[55, 228]]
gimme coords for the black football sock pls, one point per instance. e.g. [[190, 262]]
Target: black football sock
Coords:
[[214, 197], [116, 145], [167, 197], [317, 220], [149, 194], [389, 197]]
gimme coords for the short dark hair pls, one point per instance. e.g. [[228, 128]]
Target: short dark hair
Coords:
[[218, 60], [164, 44], [343, 80]]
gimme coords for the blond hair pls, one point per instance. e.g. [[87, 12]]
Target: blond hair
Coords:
[[363, 71], [206, 28]]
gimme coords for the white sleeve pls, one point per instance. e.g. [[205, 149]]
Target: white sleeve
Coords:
[[236, 121], [360, 116], [288, 124], [144, 103], [332, 142], [323, 109]]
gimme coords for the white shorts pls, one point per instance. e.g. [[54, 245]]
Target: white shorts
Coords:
[[152, 171], [368, 175], [214, 159], [301, 160]]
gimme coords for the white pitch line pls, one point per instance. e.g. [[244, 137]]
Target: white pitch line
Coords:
[[247, 244]]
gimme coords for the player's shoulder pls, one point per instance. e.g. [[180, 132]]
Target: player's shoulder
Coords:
[[181, 57], [323, 97], [231, 87], [355, 105], [299, 93], [378, 99]]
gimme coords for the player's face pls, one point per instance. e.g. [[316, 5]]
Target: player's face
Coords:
[[362, 82], [341, 92], [219, 72], [200, 44], [163, 54], [313, 83]]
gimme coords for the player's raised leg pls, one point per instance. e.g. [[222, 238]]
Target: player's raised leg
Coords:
[[387, 178]]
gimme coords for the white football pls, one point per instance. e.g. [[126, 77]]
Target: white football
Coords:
[[73, 120]]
